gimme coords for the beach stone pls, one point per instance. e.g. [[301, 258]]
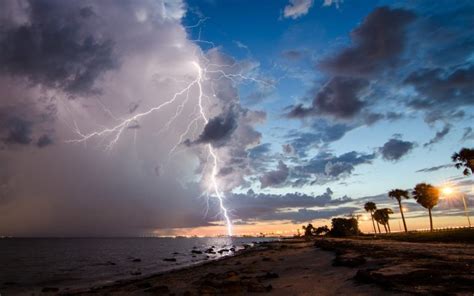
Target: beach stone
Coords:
[[49, 290], [267, 259], [222, 251], [170, 259], [137, 260], [196, 252], [268, 276]]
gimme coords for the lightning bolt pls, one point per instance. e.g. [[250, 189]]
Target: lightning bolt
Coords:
[[115, 132]]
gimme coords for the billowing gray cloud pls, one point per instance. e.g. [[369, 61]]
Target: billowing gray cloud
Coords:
[[252, 206], [442, 88], [276, 177], [326, 167], [218, 129], [339, 98], [322, 133], [56, 48], [439, 136], [394, 149], [377, 44]]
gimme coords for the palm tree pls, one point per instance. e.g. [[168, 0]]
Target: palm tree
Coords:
[[382, 217], [427, 196], [464, 158], [371, 207], [399, 194]]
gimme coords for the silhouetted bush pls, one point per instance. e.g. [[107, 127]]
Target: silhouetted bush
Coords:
[[344, 227]]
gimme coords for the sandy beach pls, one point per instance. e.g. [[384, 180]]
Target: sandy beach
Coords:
[[335, 267], [290, 267], [321, 266]]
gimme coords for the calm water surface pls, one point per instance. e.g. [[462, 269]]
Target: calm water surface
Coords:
[[79, 262]]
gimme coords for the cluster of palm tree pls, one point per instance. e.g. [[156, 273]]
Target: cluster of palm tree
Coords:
[[425, 194]]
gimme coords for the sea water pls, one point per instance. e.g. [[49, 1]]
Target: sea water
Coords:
[[82, 262]]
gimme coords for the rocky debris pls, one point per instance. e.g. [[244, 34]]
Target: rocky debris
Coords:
[[411, 268], [210, 251], [50, 290], [137, 260], [169, 259], [223, 251], [175, 253], [196, 252]]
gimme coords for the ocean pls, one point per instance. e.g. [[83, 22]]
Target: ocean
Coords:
[[84, 262]]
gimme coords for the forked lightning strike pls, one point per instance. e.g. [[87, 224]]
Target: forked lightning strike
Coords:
[[116, 131]]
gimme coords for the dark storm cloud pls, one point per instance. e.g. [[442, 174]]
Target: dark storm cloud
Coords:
[[434, 168], [339, 98], [251, 206], [394, 149], [377, 43], [43, 141], [442, 88], [326, 167], [18, 131], [439, 136], [322, 133], [276, 177], [54, 49], [218, 129], [307, 215]]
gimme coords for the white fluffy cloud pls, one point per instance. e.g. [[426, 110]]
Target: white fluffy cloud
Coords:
[[297, 8]]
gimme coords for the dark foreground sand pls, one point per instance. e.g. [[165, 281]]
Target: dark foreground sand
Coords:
[[332, 267], [290, 267]]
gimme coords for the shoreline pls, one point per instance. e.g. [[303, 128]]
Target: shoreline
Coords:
[[274, 268], [320, 266]]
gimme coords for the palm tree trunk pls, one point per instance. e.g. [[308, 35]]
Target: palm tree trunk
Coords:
[[431, 219], [389, 230], [385, 226], [373, 223], [403, 216], [378, 226]]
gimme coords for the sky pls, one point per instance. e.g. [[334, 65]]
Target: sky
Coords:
[[169, 117]]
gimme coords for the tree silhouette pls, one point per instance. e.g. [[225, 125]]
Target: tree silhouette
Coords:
[[321, 230], [427, 196], [308, 230], [344, 227], [399, 194], [464, 158], [382, 217], [371, 207]]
